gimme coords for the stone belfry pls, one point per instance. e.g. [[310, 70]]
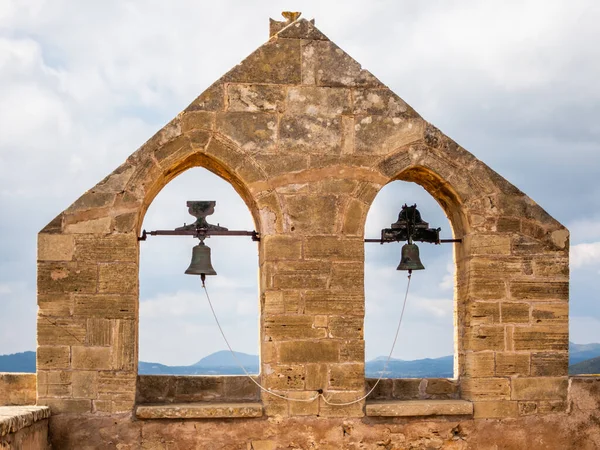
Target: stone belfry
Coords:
[[307, 137]]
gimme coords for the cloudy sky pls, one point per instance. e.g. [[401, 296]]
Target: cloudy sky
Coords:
[[83, 84]]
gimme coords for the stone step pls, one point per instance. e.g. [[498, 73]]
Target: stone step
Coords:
[[199, 411], [412, 408]]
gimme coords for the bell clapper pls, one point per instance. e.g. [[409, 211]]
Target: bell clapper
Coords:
[[203, 278]]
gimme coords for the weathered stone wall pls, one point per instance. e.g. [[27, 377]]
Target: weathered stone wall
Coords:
[[17, 389], [308, 138], [24, 428]]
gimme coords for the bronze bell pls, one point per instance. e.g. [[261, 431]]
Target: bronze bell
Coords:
[[410, 258], [201, 264]]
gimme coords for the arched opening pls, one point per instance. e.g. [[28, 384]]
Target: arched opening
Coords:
[[177, 333], [426, 343]]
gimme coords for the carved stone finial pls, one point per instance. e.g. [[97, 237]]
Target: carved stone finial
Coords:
[[291, 16]]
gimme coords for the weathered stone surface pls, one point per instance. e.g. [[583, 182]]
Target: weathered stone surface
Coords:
[[484, 313], [495, 409], [515, 312], [549, 364], [255, 98], [539, 291], [480, 364], [91, 358], [15, 418], [276, 62], [312, 214], [312, 100], [347, 376], [346, 327], [325, 64], [284, 327], [332, 302], [199, 411], [485, 388], [17, 389], [410, 408], [61, 331], [539, 388], [543, 338], [252, 131], [301, 29], [107, 306], [53, 357], [509, 364], [334, 248], [309, 351], [57, 305], [550, 313], [55, 247], [310, 134], [67, 277], [485, 338], [379, 135]]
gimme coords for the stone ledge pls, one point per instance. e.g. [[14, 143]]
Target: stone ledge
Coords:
[[199, 411], [14, 418], [413, 408]]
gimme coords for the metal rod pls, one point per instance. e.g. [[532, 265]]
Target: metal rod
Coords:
[[442, 241], [201, 232]]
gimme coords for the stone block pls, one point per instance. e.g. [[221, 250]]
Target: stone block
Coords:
[[124, 349], [347, 276], [352, 350], [541, 338], [515, 312], [58, 278], [120, 278], [539, 388], [58, 391], [311, 214], [280, 247], [495, 409], [253, 132], [485, 266], [98, 332], [284, 377], [175, 151], [483, 313], [116, 383], [66, 405], [334, 302], [276, 62], [57, 305], [313, 100], [334, 248], [416, 408], [539, 290], [255, 98], [380, 102], [382, 390], [354, 218], [212, 99], [199, 411], [489, 244], [309, 351], [60, 331], [485, 337], [509, 364], [304, 408], [320, 134], [300, 281], [316, 376], [551, 267], [486, 288], [85, 384], [285, 327], [325, 64], [550, 364], [508, 225], [337, 409], [346, 327], [485, 388], [91, 226], [112, 248], [197, 120], [321, 321], [550, 313], [91, 358], [55, 247], [350, 376], [53, 357], [106, 306], [380, 135], [479, 364], [441, 388], [273, 303], [407, 389]]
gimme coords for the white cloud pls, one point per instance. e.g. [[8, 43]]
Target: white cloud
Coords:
[[585, 254]]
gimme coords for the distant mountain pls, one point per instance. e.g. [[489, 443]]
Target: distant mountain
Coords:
[[224, 358], [589, 366], [421, 368], [582, 352], [18, 362], [583, 358]]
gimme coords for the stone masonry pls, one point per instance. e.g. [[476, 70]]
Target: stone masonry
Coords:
[[308, 138]]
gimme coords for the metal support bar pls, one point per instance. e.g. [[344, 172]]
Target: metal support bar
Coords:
[[442, 241], [201, 233]]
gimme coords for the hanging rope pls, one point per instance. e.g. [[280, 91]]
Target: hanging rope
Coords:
[[319, 394]]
